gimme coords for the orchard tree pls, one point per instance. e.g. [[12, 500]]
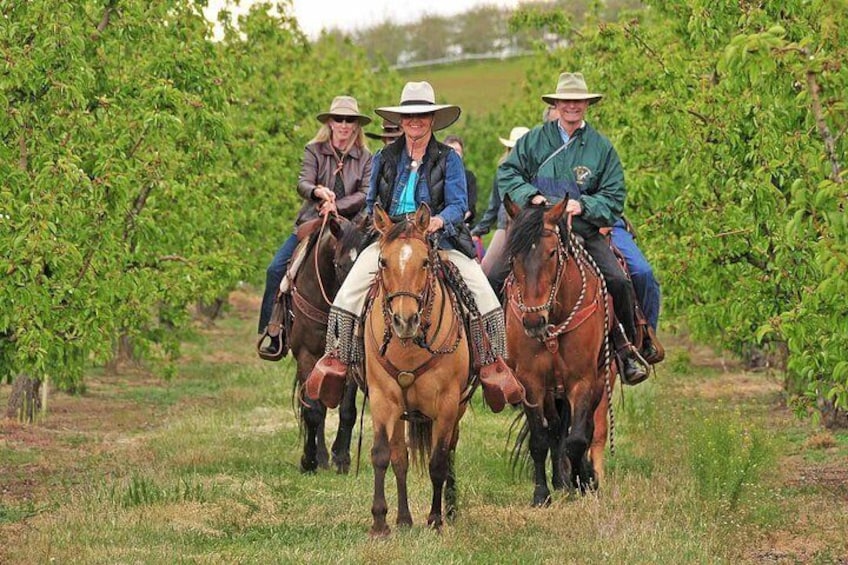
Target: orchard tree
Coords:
[[112, 209], [730, 119]]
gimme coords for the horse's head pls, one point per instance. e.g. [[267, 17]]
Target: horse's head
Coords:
[[537, 256], [349, 237], [405, 268]]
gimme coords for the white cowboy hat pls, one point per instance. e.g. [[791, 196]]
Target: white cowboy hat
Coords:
[[419, 98], [389, 130], [514, 135], [344, 106], [571, 86]]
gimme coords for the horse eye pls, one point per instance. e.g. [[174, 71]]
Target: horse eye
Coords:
[[552, 252], [382, 263], [426, 264]]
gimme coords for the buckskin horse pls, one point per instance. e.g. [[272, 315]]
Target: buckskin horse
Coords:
[[417, 368], [557, 319], [330, 255]]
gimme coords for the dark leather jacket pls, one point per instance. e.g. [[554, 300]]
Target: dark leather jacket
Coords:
[[319, 163]]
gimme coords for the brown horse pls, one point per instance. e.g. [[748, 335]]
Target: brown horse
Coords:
[[557, 317], [331, 254], [417, 368]]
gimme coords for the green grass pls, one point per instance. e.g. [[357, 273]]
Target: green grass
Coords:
[[698, 477]]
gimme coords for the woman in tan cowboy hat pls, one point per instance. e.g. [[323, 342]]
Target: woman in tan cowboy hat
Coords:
[[569, 158], [415, 169], [495, 211], [333, 179]]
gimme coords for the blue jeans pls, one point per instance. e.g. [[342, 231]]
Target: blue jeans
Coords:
[[273, 277], [646, 285]]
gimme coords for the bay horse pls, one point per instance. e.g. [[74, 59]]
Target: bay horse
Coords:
[[330, 255], [417, 367], [557, 320]]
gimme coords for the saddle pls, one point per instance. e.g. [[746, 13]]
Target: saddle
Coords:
[[280, 324]]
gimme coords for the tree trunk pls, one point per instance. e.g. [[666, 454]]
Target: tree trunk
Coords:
[[25, 400]]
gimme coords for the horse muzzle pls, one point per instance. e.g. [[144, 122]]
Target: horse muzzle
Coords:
[[406, 327], [535, 324]]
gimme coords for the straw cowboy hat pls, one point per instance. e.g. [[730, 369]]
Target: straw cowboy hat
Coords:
[[389, 130], [514, 135], [571, 86], [344, 106], [419, 98]]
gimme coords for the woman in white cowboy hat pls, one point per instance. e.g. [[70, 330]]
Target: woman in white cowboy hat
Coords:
[[568, 157], [333, 180], [415, 169], [495, 211]]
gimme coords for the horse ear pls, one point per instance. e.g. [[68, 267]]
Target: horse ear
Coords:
[[382, 221], [511, 207], [554, 215], [336, 224], [422, 217]]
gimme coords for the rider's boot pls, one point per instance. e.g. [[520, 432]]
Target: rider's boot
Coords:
[[500, 387], [326, 382], [633, 371]]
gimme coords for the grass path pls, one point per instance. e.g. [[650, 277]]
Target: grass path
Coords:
[[709, 468]]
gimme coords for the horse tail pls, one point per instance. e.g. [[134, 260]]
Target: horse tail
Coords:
[[519, 458], [420, 434]]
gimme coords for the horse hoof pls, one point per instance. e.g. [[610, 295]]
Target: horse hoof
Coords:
[[541, 501], [435, 523], [405, 522], [379, 533]]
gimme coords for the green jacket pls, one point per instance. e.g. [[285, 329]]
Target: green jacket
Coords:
[[589, 170]]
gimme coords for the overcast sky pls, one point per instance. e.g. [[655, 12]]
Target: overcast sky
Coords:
[[348, 15]]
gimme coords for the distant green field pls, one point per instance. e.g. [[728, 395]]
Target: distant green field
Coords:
[[477, 87]]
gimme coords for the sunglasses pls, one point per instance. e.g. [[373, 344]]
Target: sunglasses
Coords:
[[414, 116], [345, 119]]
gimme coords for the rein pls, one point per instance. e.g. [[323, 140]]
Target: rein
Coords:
[[315, 255]]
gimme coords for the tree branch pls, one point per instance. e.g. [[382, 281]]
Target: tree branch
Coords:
[[104, 21], [824, 131]]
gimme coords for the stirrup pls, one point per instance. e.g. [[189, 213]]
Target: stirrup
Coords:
[[265, 351]]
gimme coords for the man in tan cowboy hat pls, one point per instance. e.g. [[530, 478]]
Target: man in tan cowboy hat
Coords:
[[388, 133], [568, 157], [413, 169]]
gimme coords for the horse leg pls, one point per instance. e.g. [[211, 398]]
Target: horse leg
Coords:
[[450, 489], [400, 465], [440, 455], [347, 421], [312, 414], [558, 421], [321, 452], [599, 438], [380, 455], [539, 452], [584, 398]]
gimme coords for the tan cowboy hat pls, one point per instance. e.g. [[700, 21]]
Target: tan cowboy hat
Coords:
[[389, 130], [419, 98], [344, 106], [514, 135], [571, 86]]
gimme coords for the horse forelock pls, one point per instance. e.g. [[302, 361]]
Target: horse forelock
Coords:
[[526, 231], [404, 229]]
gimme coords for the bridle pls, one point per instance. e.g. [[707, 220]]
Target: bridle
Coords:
[[553, 331]]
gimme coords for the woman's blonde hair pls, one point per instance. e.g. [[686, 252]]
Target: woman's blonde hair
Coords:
[[326, 134]]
